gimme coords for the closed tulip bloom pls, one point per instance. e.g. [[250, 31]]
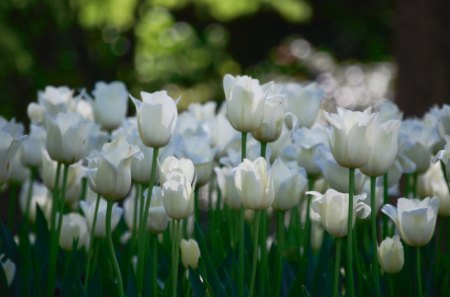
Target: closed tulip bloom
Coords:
[[74, 226], [9, 269], [109, 172], [178, 196], [67, 137], [48, 172], [303, 101], [140, 169], [157, 216], [331, 209], [384, 140], [36, 113], [19, 173], [337, 177], [254, 184], [230, 194], [9, 145], [245, 102], [349, 143], [33, 146], [111, 104], [157, 116], [391, 255], [190, 253], [40, 197], [432, 183], [182, 166], [415, 219], [272, 124], [289, 183], [100, 225], [444, 155], [55, 99]]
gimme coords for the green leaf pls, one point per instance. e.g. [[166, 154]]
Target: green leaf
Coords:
[[197, 285]]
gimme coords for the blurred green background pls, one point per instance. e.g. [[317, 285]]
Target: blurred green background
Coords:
[[185, 46]]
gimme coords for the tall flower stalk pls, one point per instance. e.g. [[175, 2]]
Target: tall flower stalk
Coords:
[[373, 225], [91, 244], [349, 272], [112, 253], [241, 225]]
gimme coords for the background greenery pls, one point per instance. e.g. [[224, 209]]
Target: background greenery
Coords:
[[185, 46]]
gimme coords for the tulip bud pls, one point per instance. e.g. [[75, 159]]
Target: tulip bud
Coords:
[[74, 226], [157, 116], [432, 183], [350, 144], [32, 147], [190, 253], [391, 255], [178, 196], [225, 180], [245, 102], [140, 169], [415, 219], [55, 99], [111, 104], [331, 209], [9, 268], [272, 124], [254, 184], [182, 166], [35, 113], [100, 225], [9, 146]]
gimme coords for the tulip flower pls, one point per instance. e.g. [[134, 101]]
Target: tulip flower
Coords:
[[33, 146], [178, 196], [67, 137], [444, 156], [331, 209], [36, 113], [391, 255], [415, 219], [230, 194], [245, 102], [182, 166], [140, 168], [74, 226], [384, 143], [157, 116], [350, 144], [9, 269], [337, 176], [254, 184], [190, 253], [111, 104], [289, 183], [55, 100], [303, 101], [432, 183], [19, 173], [9, 145], [100, 225], [40, 197], [109, 172]]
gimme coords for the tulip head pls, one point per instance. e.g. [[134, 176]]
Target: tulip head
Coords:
[[331, 209], [230, 194], [272, 124], [100, 225], [73, 227], [190, 253], [415, 219], [391, 255], [111, 104], [178, 196], [157, 116]]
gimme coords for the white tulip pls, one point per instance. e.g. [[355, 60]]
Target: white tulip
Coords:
[[289, 183], [157, 116], [391, 255], [140, 168], [182, 166], [303, 101], [331, 209], [55, 99], [48, 172], [36, 113], [109, 172], [9, 145], [432, 183], [225, 180], [337, 176], [19, 173], [415, 219], [100, 225], [74, 226], [40, 197], [111, 104], [178, 196], [190, 253], [33, 146], [254, 184], [444, 156], [67, 137], [245, 102], [350, 144]]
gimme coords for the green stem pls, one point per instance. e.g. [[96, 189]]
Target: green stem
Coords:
[[419, 271], [255, 253], [112, 253], [84, 183], [154, 265], [62, 201], [136, 216], [373, 221], [241, 251], [279, 252], [243, 145], [385, 201], [33, 173], [337, 267], [12, 206], [143, 225], [390, 284], [175, 255], [53, 239], [263, 149], [196, 209], [262, 244], [349, 272], [307, 233], [91, 244]]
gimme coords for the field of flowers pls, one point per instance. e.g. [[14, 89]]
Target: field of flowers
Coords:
[[273, 193]]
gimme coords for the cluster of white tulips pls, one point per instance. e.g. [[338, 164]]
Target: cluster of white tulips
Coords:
[[220, 177]]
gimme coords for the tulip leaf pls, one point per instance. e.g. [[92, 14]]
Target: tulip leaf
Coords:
[[42, 236], [213, 278], [7, 244], [198, 287], [71, 280], [131, 282], [4, 283]]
